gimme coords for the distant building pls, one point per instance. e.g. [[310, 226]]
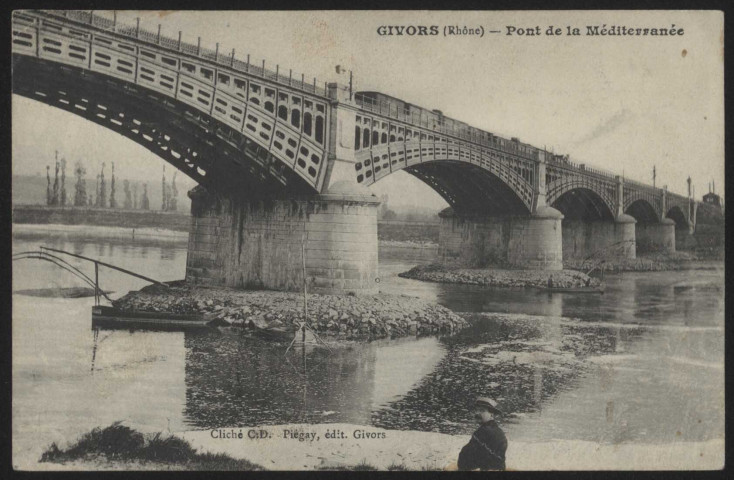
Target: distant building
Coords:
[[712, 199]]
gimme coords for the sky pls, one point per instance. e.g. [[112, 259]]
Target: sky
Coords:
[[625, 104]]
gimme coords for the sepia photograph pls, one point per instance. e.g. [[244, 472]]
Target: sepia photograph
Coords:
[[331, 240]]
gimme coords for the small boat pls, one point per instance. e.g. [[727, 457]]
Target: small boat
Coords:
[[275, 334], [103, 316], [589, 289]]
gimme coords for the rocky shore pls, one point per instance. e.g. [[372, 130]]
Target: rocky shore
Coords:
[[344, 316], [498, 277]]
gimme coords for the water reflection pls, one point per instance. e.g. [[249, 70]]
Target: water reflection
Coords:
[[639, 363], [521, 361], [233, 379]]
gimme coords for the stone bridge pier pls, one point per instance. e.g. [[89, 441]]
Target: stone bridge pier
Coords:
[[654, 230], [529, 240], [657, 236], [264, 243], [266, 240], [594, 228]]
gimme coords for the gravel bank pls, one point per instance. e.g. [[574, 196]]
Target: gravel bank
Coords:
[[498, 277], [643, 263], [345, 316]]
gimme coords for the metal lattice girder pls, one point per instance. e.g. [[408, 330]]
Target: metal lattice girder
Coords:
[[281, 127]]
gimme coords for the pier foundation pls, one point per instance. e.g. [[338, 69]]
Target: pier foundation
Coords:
[[656, 237], [611, 240], [531, 242], [257, 244]]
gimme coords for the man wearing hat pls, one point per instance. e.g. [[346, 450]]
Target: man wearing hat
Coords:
[[487, 447]]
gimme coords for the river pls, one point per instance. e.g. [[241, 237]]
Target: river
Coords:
[[643, 363]]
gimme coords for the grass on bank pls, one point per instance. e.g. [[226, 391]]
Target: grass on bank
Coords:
[[119, 444]]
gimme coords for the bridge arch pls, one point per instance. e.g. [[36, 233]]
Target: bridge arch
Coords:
[[213, 120], [470, 181], [469, 188], [642, 211], [200, 147], [582, 203], [676, 214]]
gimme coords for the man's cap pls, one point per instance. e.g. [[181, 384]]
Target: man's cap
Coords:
[[487, 403]]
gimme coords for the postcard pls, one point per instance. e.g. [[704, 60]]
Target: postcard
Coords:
[[367, 240]]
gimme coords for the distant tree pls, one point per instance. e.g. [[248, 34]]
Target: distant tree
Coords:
[[55, 196], [63, 182], [383, 206], [80, 190], [173, 199], [135, 195], [113, 200], [102, 189], [389, 215], [164, 193], [49, 195], [96, 192], [144, 202], [128, 197]]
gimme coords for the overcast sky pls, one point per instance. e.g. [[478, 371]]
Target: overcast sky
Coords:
[[620, 103]]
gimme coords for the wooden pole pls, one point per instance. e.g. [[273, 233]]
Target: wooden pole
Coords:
[[96, 283], [303, 258], [305, 321]]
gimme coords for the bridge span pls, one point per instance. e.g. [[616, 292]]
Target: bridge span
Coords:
[[282, 160]]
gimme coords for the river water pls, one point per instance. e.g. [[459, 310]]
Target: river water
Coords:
[[643, 363]]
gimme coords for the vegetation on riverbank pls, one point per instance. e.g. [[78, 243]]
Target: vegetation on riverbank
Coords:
[[121, 447], [343, 316], [118, 445]]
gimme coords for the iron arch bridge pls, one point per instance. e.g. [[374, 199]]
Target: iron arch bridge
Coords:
[[223, 122], [237, 127]]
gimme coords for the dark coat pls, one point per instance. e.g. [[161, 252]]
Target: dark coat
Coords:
[[486, 449]]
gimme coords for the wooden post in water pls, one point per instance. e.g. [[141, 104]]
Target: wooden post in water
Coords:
[[303, 327], [96, 283], [305, 293]]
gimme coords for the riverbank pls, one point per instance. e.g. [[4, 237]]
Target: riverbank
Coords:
[[79, 232], [360, 447], [495, 277], [342, 316], [649, 262], [143, 235]]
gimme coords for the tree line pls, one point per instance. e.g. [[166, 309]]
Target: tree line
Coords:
[[100, 198]]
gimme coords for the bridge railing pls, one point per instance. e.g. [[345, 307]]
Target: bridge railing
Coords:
[[228, 60], [642, 186], [416, 118], [563, 161]]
